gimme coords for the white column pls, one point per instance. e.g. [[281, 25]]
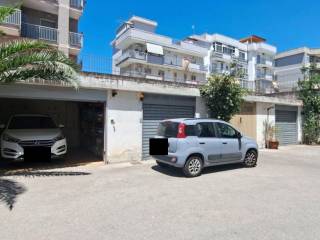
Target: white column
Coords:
[[63, 25]]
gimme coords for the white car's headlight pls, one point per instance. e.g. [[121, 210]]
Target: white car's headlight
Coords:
[[60, 137], [8, 138]]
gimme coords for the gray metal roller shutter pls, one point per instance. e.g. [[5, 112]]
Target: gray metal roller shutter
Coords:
[[286, 125], [153, 114]]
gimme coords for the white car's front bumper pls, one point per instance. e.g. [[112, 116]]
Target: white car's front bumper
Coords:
[[14, 151]]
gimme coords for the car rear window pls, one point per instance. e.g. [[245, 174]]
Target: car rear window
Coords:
[[168, 129], [31, 122]]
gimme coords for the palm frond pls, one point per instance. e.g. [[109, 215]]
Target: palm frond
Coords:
[[25, 60]]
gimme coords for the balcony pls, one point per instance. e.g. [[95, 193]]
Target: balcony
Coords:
[[133, 35], [78, 4], [131, 56], [264, 76], [12, 24], [39, 32], [76, 39], [14, 19], [264, 86]]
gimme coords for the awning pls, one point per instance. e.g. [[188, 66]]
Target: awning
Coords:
[[154, 49]]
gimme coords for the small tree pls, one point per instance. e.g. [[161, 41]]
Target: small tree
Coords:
[[223, 96], [310, 95]]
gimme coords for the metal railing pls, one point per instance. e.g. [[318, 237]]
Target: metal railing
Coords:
[[39, 32], [14, 19], [76, 39], [76, 4]]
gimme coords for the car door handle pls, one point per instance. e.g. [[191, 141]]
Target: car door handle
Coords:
[[202, 143], [224, 143]]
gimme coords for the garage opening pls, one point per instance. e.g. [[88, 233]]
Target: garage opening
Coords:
[[83, 125], [159, 107], [286, 124]]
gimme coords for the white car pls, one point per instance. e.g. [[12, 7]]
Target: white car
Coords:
[[32, 132]]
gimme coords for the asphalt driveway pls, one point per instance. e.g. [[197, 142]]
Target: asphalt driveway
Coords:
[[279, 199]]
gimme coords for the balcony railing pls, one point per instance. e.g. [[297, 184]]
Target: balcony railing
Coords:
[[39, 32], [14, 19], [76, 4], [76, 39]]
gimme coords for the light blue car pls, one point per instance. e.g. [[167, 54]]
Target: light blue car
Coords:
[[198, 143]]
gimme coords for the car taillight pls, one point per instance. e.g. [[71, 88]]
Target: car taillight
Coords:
[[181, 130]]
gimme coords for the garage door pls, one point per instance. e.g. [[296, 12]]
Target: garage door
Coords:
[[286, 125], [167, 107]]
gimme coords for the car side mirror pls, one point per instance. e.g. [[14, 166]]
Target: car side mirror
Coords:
[[2, 126], [61, 126]]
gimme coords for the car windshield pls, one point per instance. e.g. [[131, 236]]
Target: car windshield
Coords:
[[168, 129], [31, 122]]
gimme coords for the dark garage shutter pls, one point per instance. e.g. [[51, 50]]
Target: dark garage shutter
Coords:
[[286, 125], [154, 113]]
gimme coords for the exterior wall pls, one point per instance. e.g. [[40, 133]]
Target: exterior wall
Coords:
[[262, 117], [201, 108], [246, 120], [124, 127]]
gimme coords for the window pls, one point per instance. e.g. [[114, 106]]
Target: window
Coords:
[[226, 131], [218, 47], [205, 129], [242, 56], [147, 70], [193, 78], [161, 73], [168, 129], [47, 23]]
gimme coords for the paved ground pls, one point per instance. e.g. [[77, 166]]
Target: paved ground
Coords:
[[279, 199]]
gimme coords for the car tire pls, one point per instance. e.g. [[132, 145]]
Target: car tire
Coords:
[[193, 166], [161, 164], [251, 158]]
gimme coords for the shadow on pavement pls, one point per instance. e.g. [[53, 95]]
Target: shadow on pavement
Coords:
[[9, 190], [177, 172]]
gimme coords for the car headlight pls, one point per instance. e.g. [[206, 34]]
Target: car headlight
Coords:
[[8, 138], [59, 137]]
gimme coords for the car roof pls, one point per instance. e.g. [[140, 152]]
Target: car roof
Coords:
[[193, 120]]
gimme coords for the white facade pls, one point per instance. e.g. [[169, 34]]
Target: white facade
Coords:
[[140, 52], [288, 66], [252, 57]]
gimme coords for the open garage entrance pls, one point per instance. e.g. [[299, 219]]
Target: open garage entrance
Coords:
[[83, 121]]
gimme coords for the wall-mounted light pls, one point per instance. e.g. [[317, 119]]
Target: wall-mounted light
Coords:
[[114, 93], [141, 96]]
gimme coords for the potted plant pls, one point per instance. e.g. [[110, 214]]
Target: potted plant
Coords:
[[270, 136]]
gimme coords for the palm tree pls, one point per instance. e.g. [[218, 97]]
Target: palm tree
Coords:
[[31, 59]]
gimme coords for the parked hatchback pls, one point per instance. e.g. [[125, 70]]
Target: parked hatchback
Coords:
[[198, 143]]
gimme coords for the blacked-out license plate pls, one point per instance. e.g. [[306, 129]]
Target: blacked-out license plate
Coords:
[[158, 146]]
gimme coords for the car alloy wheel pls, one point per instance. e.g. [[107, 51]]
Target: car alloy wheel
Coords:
[[194, 166], [250, 159]]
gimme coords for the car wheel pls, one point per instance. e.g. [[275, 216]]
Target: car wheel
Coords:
[[250, 159], [161, 164], [193, 166]]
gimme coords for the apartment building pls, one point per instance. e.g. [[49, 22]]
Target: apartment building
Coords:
[[53, 21], [289, 64], [140, 52], [251, 57]]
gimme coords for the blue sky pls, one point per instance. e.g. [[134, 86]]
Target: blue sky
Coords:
[[286, 24]]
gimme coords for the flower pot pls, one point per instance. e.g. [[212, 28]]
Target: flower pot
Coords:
[[273, 144]]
